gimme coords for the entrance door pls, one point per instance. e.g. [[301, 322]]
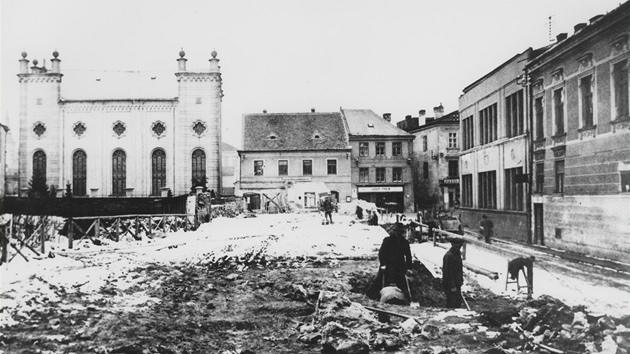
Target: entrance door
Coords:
[[539, 234]]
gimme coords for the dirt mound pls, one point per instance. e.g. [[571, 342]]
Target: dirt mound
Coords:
[[425, 288]]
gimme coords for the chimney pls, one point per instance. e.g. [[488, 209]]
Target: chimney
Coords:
[[214, 62], [421, 116], [313, 110], [387, 117], [55, 63], [595, 18], [181, 62], [560, 37], [578, 27], [438, 111], [23, 64]]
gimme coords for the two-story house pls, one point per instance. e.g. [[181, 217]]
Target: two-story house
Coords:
[[290, 159]]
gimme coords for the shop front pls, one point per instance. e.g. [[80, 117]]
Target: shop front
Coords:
[[450, 192], [390, 198]]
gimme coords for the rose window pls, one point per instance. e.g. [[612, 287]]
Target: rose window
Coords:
[[39, 129], [158, 128], [79, 129], [119, 128], [199, 128]]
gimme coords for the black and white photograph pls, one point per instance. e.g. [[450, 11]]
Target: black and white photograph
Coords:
[[335, 177]]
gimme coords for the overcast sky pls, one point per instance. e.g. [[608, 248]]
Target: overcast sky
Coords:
[[288, 56]]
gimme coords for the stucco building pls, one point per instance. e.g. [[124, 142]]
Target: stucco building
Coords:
[[381, 160], [290, 159], [495, 149], [436, 159], [120, 146], [229, 168], [581, 148]]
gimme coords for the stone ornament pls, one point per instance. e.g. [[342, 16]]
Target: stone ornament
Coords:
[[199, 128], [39, 129], [119, 129], [79, 129], [158, 129]]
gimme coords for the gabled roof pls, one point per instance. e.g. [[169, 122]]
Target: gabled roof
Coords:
[[227, 147], [364, 122], [294, 131], [448, 119]]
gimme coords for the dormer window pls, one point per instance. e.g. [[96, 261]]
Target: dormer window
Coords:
[[370, 125], [272, 137], [316, 136]]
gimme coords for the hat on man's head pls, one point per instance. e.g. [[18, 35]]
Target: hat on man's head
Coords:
[[456, 241], [399, 227]]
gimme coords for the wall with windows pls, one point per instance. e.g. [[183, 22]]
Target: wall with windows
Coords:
[[121, 147], [581, 151], [495, 152]]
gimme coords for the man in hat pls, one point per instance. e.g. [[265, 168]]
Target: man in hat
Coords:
[[395, 257], [486, 226], [453, 273]]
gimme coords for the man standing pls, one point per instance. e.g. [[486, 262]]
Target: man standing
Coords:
[[486, 226], [395, 258], [328, 208], [453, 274]]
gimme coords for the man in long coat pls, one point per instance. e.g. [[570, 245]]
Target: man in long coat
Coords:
[[395, 258], [453, 274]]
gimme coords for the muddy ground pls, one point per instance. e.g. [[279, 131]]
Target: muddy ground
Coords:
[[213, 308]]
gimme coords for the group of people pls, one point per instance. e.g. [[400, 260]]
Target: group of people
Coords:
[[396, 263]]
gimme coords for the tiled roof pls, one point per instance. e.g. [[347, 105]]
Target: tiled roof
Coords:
[[294, 131], [364, 122]]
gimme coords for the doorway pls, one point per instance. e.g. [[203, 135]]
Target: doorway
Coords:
[[539, 231]]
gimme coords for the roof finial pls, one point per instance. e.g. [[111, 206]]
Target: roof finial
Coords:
[[214, 53], [182, 53]]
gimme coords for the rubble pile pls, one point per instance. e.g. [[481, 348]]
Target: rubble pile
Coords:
[[548, 324], [229, 210], [351, 208], [342, 326]]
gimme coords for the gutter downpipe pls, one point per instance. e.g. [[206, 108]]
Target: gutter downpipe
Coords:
[[529, 155]]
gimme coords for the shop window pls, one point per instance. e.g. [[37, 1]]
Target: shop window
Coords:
[[467, 192], [514, 191], [488, 190]]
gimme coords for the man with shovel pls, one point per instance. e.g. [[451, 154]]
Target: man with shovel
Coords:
[[453, 273], [395, 259]]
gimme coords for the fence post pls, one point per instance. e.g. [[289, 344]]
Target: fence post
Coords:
[[175, 221], [464, 251], [163, 223], [42, 221], [186, 222], [116, 231], [5, 244], [138, 228], [150, 219], [97, 228], [70, 235]]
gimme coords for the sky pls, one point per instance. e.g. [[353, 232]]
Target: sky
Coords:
[[397, 56]]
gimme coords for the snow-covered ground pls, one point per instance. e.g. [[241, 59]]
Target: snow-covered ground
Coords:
[[87, 267]]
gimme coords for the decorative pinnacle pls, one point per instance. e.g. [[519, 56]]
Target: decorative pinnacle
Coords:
[[214, 53], [24, 55], [182, 53], [35, 62], [55, 54]]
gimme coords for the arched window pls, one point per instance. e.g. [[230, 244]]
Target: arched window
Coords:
[[198, 168], [39, 165], [79, 173], [119, 173], [158, 171]]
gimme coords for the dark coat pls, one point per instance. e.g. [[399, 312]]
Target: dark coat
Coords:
[[395, 253], [486, 225], [328, 206], [452, 269]]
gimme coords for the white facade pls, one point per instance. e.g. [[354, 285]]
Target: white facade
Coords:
[[156, 136]]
